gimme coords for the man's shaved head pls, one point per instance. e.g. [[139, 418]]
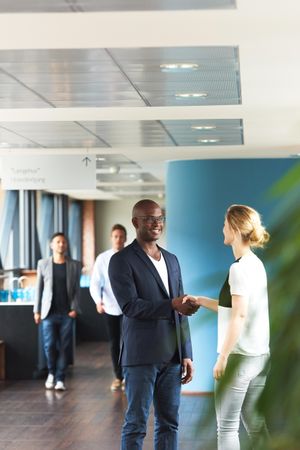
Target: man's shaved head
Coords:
[[142, 206]]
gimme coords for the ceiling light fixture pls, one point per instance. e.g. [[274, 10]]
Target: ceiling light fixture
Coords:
[[203, 127], [191, 94], [100, 158], [114, 169], [208, 141], [179, 66]]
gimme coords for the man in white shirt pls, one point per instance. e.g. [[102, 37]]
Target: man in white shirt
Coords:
[[106, 303]]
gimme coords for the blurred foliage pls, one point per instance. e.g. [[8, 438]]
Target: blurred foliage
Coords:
[[281, 399]]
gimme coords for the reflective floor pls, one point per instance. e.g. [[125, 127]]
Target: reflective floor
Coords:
[[88, 416]]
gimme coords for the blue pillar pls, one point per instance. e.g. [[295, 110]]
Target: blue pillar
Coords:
[[197, 196]]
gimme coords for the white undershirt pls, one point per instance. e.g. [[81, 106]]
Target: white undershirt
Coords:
[[161, 268]]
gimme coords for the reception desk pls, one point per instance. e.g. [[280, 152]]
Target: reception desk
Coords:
[[24, 354], [20, 335], [90, 325]]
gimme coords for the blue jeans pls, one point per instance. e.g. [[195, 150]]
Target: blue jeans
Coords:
[[160, 383], [57, 336], [236, 398]]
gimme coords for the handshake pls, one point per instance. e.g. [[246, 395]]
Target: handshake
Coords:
[[185, 304]]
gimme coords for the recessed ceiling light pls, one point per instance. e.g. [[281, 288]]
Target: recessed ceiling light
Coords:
[[191, 94], [208, 141], [179, 66], [114, 169], [204, 127]]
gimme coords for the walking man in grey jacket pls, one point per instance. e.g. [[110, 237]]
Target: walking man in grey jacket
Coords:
[[56, 307]]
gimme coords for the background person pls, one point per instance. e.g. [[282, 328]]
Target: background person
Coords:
[[56, 306], [156, 349], [106, 303], [243, 332]]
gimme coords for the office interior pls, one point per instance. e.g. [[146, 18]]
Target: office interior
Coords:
[[194, 105]]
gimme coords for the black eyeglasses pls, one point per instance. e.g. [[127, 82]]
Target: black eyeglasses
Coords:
[[152, 219]]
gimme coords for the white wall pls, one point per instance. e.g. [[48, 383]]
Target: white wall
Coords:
[[107, 213]]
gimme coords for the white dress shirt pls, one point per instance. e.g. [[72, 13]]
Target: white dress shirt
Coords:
[[100, 284]]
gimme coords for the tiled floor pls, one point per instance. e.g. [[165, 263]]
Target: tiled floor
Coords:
[[88, 416]]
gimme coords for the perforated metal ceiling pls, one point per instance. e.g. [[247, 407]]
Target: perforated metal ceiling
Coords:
[[110, 5], [121, 133], [118, 77]]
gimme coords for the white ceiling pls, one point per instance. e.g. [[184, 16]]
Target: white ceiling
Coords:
[[90, 80]]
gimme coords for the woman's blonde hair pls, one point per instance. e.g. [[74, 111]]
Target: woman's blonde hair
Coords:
[[247, 221]]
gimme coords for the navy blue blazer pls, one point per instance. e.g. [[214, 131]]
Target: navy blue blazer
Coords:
[[152, 330]]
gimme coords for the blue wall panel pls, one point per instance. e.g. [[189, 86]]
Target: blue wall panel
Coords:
[[197, 196]]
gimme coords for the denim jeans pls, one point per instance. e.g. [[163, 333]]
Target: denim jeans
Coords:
[[160, 383], [57, 335], [236, 398]]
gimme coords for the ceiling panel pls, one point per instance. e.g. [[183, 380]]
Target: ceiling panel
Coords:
[[110, 5], [119, 77], [142, 190], [10, 139], [124, 133], [114, 161], [131, 133], [126, 178], [182, 75], [51, 135], [206, 132], [64, 78]]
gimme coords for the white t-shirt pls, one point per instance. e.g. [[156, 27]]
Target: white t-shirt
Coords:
[[100, 283], [247, 278], [161, 268]]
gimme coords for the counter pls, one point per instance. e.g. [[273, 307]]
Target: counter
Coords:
[[20, 334]]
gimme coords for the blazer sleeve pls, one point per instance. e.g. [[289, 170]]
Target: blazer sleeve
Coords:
[[129, 292], [75, 301], [38, 289], [186, 343]]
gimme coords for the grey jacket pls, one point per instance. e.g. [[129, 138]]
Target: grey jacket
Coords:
[[44, 285]]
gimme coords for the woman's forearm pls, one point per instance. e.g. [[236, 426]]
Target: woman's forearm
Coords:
[[208, 303], [233, 333]]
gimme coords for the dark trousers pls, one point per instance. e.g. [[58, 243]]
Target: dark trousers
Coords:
[[114, 327]]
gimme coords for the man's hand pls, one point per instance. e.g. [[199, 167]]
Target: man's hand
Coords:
[[37, 318], [100, 308], [187, 371], [72, 314], [186, 308]]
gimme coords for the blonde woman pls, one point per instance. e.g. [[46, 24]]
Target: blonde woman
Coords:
[[243, 332]]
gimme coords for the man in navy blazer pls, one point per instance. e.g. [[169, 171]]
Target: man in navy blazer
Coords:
[[156, 351]]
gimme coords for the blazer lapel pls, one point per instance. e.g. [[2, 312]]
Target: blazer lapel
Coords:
[[50, 271], [171, 286], [140, 252], [68, 275]]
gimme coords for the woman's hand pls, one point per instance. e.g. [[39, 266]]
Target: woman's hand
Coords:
[[195, 301], [220, 366]]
